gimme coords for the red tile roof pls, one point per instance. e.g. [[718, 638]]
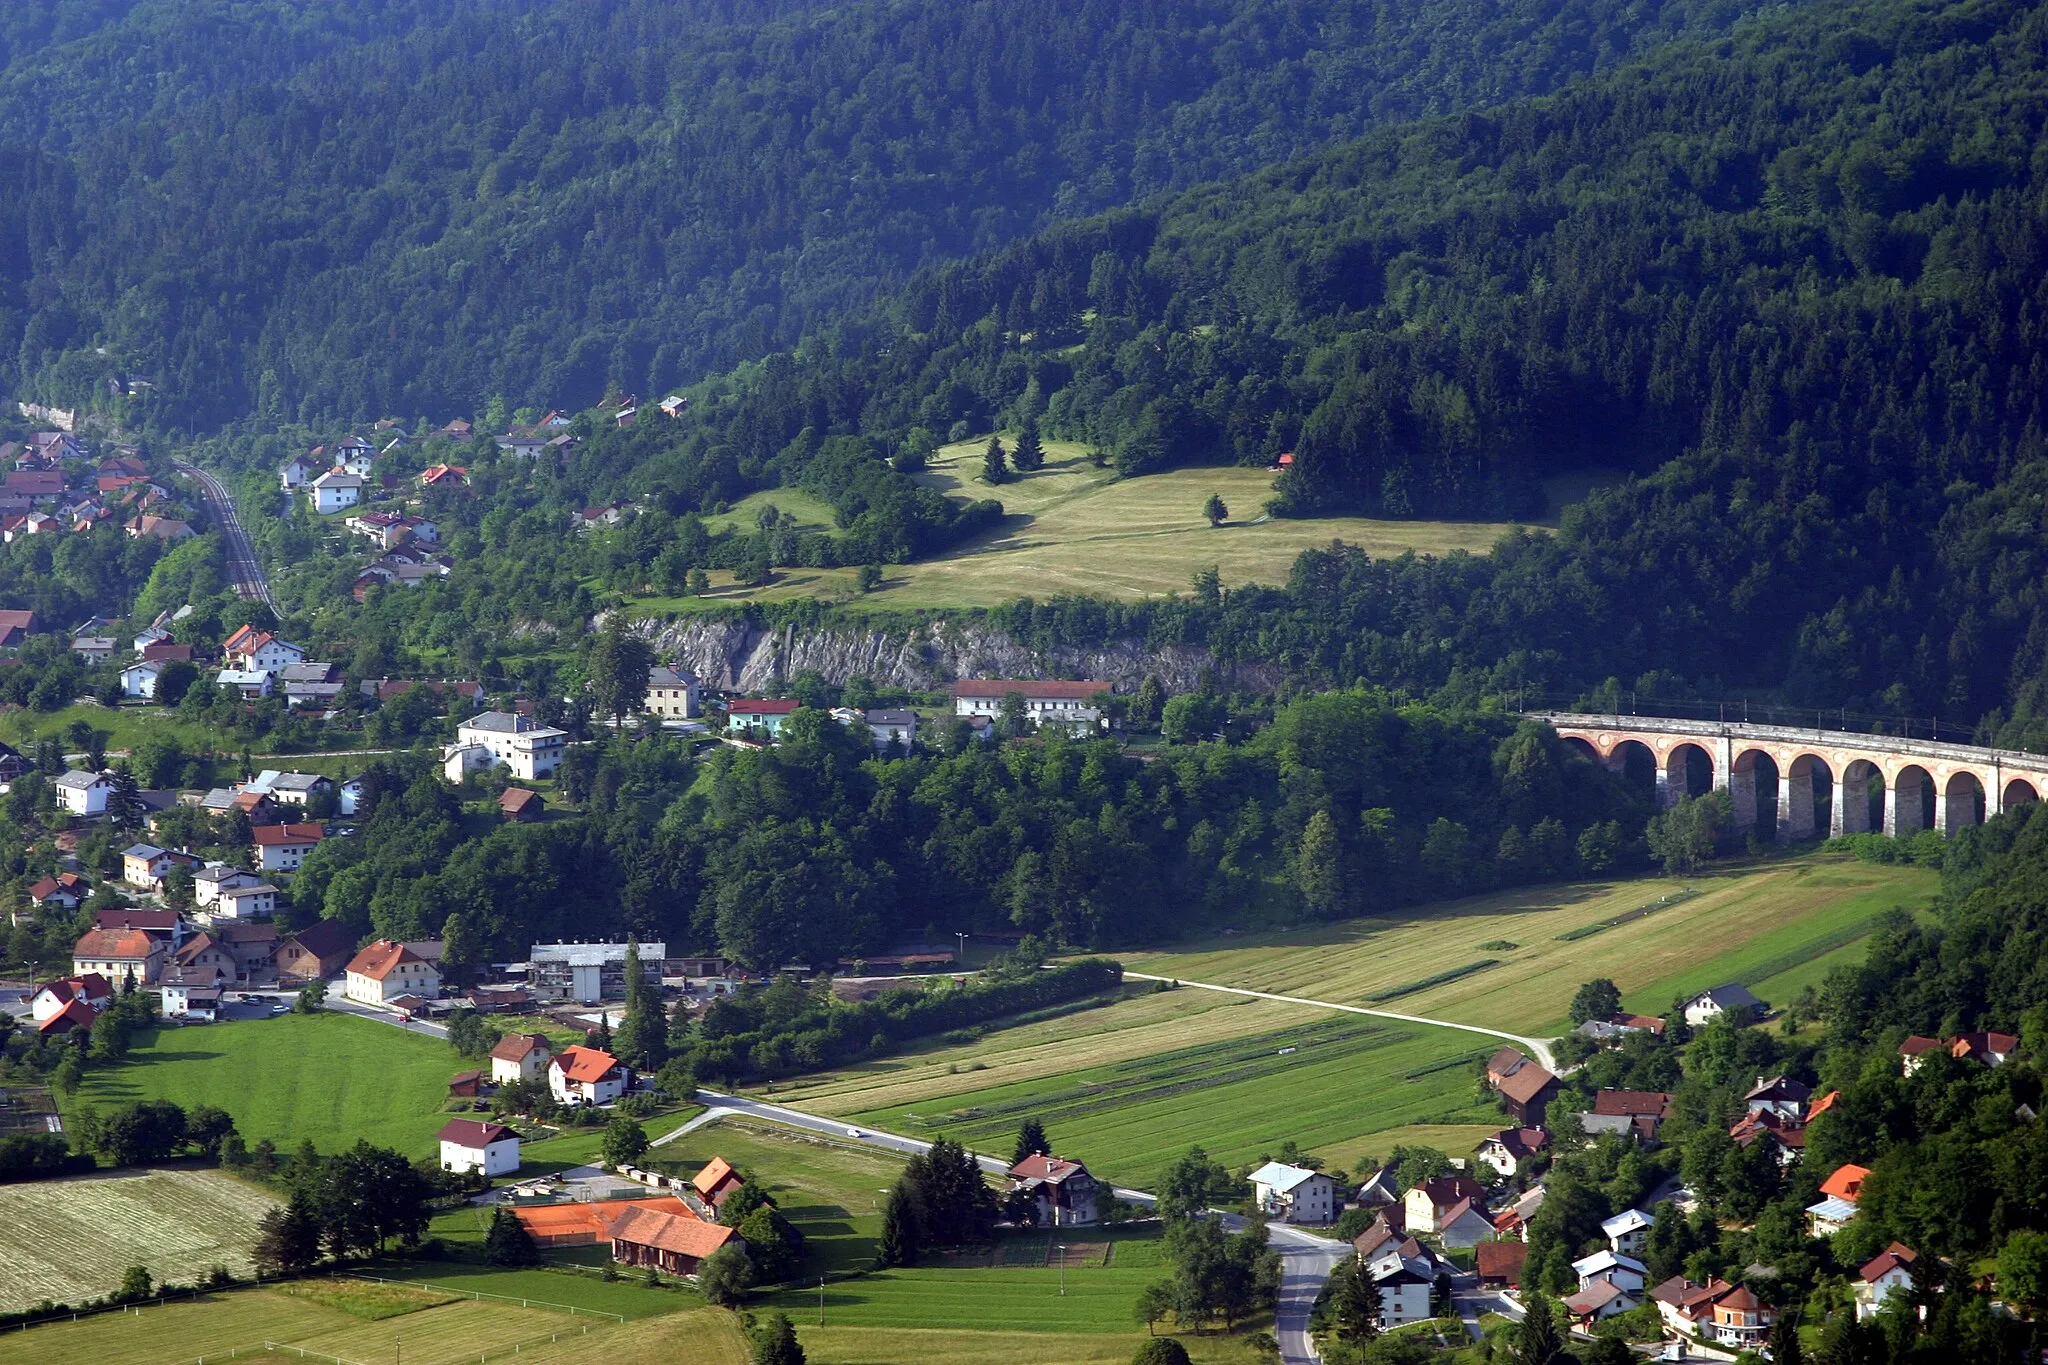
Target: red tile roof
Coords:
[[1897, 1256], [753, 707], [715, 1177], [1617, 1103], [1502, 1261], [114, 944], [1030, 690], [473, 1132], [271, 836], [517, 1047], [76, 1014], [1846, 1182], [514, 800]]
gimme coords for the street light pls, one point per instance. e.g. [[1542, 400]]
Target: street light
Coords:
[[963, 946], [1062, 1248]]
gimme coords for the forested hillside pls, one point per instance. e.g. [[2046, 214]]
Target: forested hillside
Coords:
[[341, 211]]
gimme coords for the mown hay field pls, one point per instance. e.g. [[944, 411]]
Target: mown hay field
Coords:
[[833, 1344], [72, 1239], [1073, 528], [1740, 925]]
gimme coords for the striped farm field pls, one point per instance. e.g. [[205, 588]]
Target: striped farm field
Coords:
[[1768, 919], [1331, 1083], [72, 1239], [836, 1345]]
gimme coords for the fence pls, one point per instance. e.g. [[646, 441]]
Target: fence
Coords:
[[516, 1349], [480, 1296]]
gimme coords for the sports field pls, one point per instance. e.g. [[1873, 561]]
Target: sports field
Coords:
[[333, 1078], [1767, 922], [72, 1239], [1071, 527]]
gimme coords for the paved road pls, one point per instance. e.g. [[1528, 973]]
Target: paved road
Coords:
[[1537, 1047], [243, 567]]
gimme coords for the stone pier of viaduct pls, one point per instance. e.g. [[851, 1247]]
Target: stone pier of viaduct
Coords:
[[1821, 781]]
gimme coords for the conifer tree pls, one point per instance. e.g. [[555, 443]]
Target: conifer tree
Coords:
[[1031, 1139], [508, 1242], [778, 1344], [1029, 454], [900, 1243], [994, 468]]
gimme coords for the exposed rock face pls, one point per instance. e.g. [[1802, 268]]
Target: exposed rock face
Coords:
[[744, 656]]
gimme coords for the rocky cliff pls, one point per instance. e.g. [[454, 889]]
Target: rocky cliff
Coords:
[[746, 656]]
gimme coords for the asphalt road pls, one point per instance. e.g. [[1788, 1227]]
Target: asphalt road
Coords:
[[243, 567]]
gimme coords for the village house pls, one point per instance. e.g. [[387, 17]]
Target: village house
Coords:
[[672, 693], [888, 726], [531, 750], [281, 848], [760, 718], [118, 955], [1295, 1194], [1710, 1004], [298, 472], [665, 1242], [82, 793], [336, 491], [1594, 1302], [1062, 1192], [715, 1180], [1068, 704], [209, 881], [475, 1145], [1513, 1221], [191, 992], [584, 1075], [160, 528], [15, 628], [315, 952], [254, 649], [1435, 1205], [94, 649], [1405, 1274], [1990, 1049], [1636, 1114], [1623, 1272], [1778, 1095], [1524, 1087], [138, 681], [205, 953], [1499, 1264], [144, 866], [1838, 1196], [65, 891], [1511, 1149], [355, 455], [258, 901], [520, 1057], [385, 971], [253, 946], [1627, 1231], [90, 991], [1883, 1275], [253, 683]]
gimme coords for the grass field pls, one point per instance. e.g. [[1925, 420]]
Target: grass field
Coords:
[[837, 1345], [446, 1334], [333, 1078], [1071, 527], [68, 1240], [1771, 920]]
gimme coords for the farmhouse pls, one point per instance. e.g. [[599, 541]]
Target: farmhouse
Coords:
[[666, 1242], [584, 1075], [1525, 1088], [715, 1180], [1709, 1005], [473, 1145], [520, 1057], [385, 970], [521, 743], [1500, 1264], [204, 952], [315, 952], [281, 848], [81, 793], [1070, 704], [1294, 1194], [118, 954], [1062, 1192]]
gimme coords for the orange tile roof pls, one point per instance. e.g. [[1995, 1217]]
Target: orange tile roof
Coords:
[[684, 1236], [715, 1174], [114, 943], [381, 958], [592, 1220], [269, 835], [584, 1064], [1846, 1182], [515, 1047]]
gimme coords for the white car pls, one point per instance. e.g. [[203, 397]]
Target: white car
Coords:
[[855, 1132]]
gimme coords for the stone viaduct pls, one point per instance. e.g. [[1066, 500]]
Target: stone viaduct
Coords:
[[1820, 781]]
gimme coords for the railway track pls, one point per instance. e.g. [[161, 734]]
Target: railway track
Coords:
[[244, 570]]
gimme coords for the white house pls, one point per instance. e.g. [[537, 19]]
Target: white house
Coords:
[[1294, 1194], [253, 683], [259, 649], [296, 474], [521, 743], [584, 1075], [193, 992], [139, 680], [474, 1145], [1405, 1282], [281, 848], [672, 693], [82, 793], [348, 797], [1889, 1272], [246, 902], [385, 971], [891, 727], [1709, 1005], [1509, 1150], [55, 997], [355, 455], [336, 490], [208, 882], [297, 788], [458, 761], [520, 1057], [1070, 704], [1625, 1273], [1627, 1230]]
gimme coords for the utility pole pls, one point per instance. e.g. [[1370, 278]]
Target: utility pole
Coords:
[[1062, 1248], [821, 1301], [963, 947]]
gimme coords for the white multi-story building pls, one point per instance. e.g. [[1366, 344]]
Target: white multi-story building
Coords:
[[1067, 704], [672, 693], [82, 793], [474, 1145], [336, 491], [521, 743], [1294, 1194]]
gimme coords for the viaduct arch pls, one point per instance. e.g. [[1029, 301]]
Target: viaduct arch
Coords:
[[1822, 782]]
